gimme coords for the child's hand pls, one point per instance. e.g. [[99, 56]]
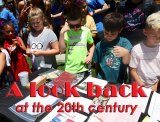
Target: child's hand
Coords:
[[15, 42], [25, 10], [120, 51], [88, 60], [28, 51], [64, 29], [37, 52], [142, 84]]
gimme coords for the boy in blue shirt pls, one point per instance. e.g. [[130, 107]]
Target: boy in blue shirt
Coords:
[[112, 54]]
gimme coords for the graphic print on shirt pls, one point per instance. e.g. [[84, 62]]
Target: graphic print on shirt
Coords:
[[134, 19], [75, 40], [111, 60], [38, 46]]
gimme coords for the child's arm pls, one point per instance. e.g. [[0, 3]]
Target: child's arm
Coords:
[[53, 51], [136, 77], [88, 59], [155, 86], [100, 10], [62, 44], [56, 15], [3, 62], [122, 52]]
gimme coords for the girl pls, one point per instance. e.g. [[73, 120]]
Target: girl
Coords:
[[24, 6], [16, 49], [42, 42], [5, 74]]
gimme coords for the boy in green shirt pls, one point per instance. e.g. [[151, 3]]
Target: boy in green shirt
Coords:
[[74, 39]]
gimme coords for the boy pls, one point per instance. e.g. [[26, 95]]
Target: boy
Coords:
[[74, 39], [145, 56], [112, 55]]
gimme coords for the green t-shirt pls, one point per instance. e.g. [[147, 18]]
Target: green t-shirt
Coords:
[[76, 49]]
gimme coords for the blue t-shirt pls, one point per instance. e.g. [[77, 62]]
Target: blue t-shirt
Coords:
[[55, 9], [112, 68], [93, 5], [7, 15]]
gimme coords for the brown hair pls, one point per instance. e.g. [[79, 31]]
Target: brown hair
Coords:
[[74, 12], [113, 21]]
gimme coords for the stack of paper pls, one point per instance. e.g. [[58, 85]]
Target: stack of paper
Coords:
[[154, 108], [31, 115], [123, 113], [56, 116]]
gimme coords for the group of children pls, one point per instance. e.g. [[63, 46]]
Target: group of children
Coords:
[[111, 55]]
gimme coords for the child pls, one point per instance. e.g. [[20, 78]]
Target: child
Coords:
[[8, 15], [145, 56], [112, 54], [5, 67], [74, 39], [42, 41], [16, 49], [88, 20], [5, 75]]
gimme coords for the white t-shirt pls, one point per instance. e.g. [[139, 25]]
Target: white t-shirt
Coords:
[[42, 42], [147, 62], [8, 58]]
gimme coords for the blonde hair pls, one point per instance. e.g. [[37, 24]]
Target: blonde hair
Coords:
[[36, 13], [153, 21]]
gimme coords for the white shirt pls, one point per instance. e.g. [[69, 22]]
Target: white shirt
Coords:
[[8, 58], [42, 42], [147, 62]]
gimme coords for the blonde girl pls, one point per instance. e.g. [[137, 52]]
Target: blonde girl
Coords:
[[42, 42]]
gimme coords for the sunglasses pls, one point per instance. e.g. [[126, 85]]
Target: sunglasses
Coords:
[[75, 26]]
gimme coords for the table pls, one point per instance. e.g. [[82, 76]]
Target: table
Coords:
[[5, 102]]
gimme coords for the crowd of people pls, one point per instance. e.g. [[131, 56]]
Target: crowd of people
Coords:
[[121, 40]]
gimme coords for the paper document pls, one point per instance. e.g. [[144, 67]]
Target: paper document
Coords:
[[82, 87]]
